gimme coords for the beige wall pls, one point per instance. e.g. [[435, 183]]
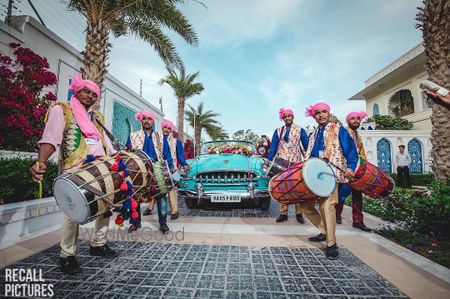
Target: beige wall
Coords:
[[421, 116]]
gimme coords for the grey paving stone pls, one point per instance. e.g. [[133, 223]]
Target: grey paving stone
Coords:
[[205, 271]]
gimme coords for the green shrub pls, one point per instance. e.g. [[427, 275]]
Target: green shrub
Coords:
[[430, 212], [388, 122], [417, 179], [16, 183]]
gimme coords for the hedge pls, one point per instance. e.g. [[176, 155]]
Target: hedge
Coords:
[[16, 183], [417, 179]]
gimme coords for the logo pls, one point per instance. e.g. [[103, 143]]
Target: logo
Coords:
[[69, 201], [226, 161]]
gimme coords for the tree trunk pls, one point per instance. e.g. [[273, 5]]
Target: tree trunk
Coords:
[[198, 138], [434, 21], [96, 53], [180, 118]]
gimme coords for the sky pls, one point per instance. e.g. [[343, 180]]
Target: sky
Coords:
[[256, 56]]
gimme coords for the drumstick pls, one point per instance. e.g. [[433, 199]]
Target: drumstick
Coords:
[[40, 192]]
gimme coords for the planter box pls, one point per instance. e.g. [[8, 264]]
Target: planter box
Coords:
[[20, 221]]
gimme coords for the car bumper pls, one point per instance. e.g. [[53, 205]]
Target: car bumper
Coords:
[[246, 197]]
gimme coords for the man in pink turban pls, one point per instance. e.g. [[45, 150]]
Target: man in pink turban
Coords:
[[354, 121], [333, 143], [65, 123], [288, 147], [149, 141], [174, 155]]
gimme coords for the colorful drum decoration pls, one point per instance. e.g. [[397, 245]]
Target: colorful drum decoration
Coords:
[[372, 181], [93, 189], [276, 166], [308, 180]]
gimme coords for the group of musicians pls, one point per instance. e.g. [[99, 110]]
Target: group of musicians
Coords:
[[330, 141], [77, 132]]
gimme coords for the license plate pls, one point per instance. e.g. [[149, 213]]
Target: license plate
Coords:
[[225, 198]]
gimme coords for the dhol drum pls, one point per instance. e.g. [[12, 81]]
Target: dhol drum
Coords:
[[308, 180], [94, 189], [372, 181], [161, 181], [276, 166]]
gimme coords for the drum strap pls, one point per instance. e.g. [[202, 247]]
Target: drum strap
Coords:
[[117, 146]]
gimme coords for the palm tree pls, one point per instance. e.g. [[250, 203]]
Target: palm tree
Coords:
[[184, 87], [200, 120], [217, 133], [434, 21], [144, 19]]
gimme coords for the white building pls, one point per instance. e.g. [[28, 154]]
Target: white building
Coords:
[[395, 91], [117, 103]]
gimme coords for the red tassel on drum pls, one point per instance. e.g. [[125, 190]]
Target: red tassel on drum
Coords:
[[124, 186], [114, 167], [134, 204], [135, 215], [119, 220], [118, 158]]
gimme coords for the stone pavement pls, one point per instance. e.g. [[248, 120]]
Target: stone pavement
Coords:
[[228, 256], [169, 270]]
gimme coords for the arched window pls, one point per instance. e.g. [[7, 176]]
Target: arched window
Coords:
[[415, 151], [376, 109], [401, 103], [384, 155]]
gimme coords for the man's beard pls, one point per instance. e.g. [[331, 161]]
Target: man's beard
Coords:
[[353, 127]]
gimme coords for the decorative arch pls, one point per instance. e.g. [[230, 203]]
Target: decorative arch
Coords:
[[401, 103], [415, 151], [384, 155]]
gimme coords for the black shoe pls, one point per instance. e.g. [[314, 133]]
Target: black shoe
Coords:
[[300, 218], [361, 226], [332, 252], [69, 265], [281, 218], [338, 218], [174, 216], [164, 228], [147, 212], [104, 251], [319, 238]]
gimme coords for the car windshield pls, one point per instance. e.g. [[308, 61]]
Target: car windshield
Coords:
[[228, 147]]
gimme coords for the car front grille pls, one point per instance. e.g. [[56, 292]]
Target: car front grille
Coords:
[[226, 177]]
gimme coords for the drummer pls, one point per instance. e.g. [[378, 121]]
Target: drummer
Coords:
[[149, 141], [354, 121], [289, 143], [174, 155], [332, 142], [64, 123]]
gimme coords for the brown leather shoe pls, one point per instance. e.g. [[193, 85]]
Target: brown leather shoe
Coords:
[[362, 226]]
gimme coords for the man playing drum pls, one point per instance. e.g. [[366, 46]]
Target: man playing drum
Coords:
[[289, 143], [354, 121], [175, 153], [74, 129], [150, 142], [333, 143]]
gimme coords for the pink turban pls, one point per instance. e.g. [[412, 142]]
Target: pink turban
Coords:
[[143, 113], [285, 111], [311, 110], [361, 115], [78, 83], [166, 123]]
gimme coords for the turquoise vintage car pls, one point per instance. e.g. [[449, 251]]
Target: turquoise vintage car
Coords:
[[226, 172]]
